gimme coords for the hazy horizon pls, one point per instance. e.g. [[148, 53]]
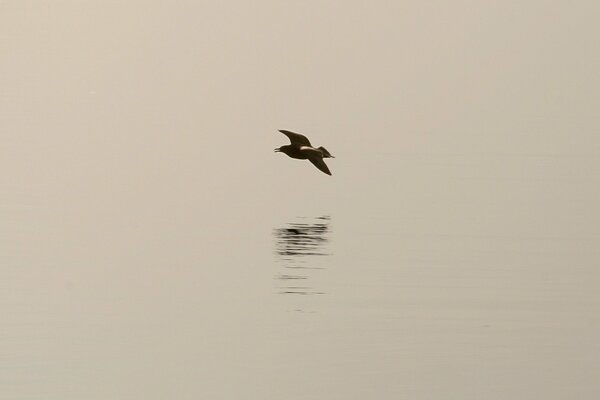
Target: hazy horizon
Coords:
[[154, 246]]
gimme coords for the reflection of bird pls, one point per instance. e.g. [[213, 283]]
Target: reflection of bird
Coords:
[[301, 149]]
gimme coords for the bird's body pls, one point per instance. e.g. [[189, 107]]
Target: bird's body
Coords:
[[301, 149], [296, 152]]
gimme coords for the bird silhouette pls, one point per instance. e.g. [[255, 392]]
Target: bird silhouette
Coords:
[[301, 149]]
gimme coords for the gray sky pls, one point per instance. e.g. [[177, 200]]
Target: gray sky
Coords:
[[183, 100]]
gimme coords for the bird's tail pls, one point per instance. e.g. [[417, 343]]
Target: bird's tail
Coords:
[[326, 154]]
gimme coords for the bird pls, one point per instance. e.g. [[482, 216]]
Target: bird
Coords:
[[301, 149]]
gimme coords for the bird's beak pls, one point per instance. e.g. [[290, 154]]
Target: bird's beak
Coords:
[[277, 150]]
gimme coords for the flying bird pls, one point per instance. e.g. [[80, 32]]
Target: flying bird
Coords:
[[301, 149]]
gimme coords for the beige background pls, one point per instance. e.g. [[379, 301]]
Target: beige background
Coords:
[[139, 194]]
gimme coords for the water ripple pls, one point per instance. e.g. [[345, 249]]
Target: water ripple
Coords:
[[299, 245]]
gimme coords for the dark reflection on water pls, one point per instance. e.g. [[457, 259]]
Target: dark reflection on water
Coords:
[[299, 245]]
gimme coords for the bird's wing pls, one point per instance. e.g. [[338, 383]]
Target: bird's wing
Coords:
[[316, 158], [296, 138]]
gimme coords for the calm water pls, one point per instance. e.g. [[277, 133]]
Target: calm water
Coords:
[[153, 246], [492, 292]]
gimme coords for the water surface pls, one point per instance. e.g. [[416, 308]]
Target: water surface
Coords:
[[152, 245]]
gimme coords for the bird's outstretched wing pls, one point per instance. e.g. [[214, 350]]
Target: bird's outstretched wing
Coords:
[[319, 163], [296, 138], [316, 158]]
